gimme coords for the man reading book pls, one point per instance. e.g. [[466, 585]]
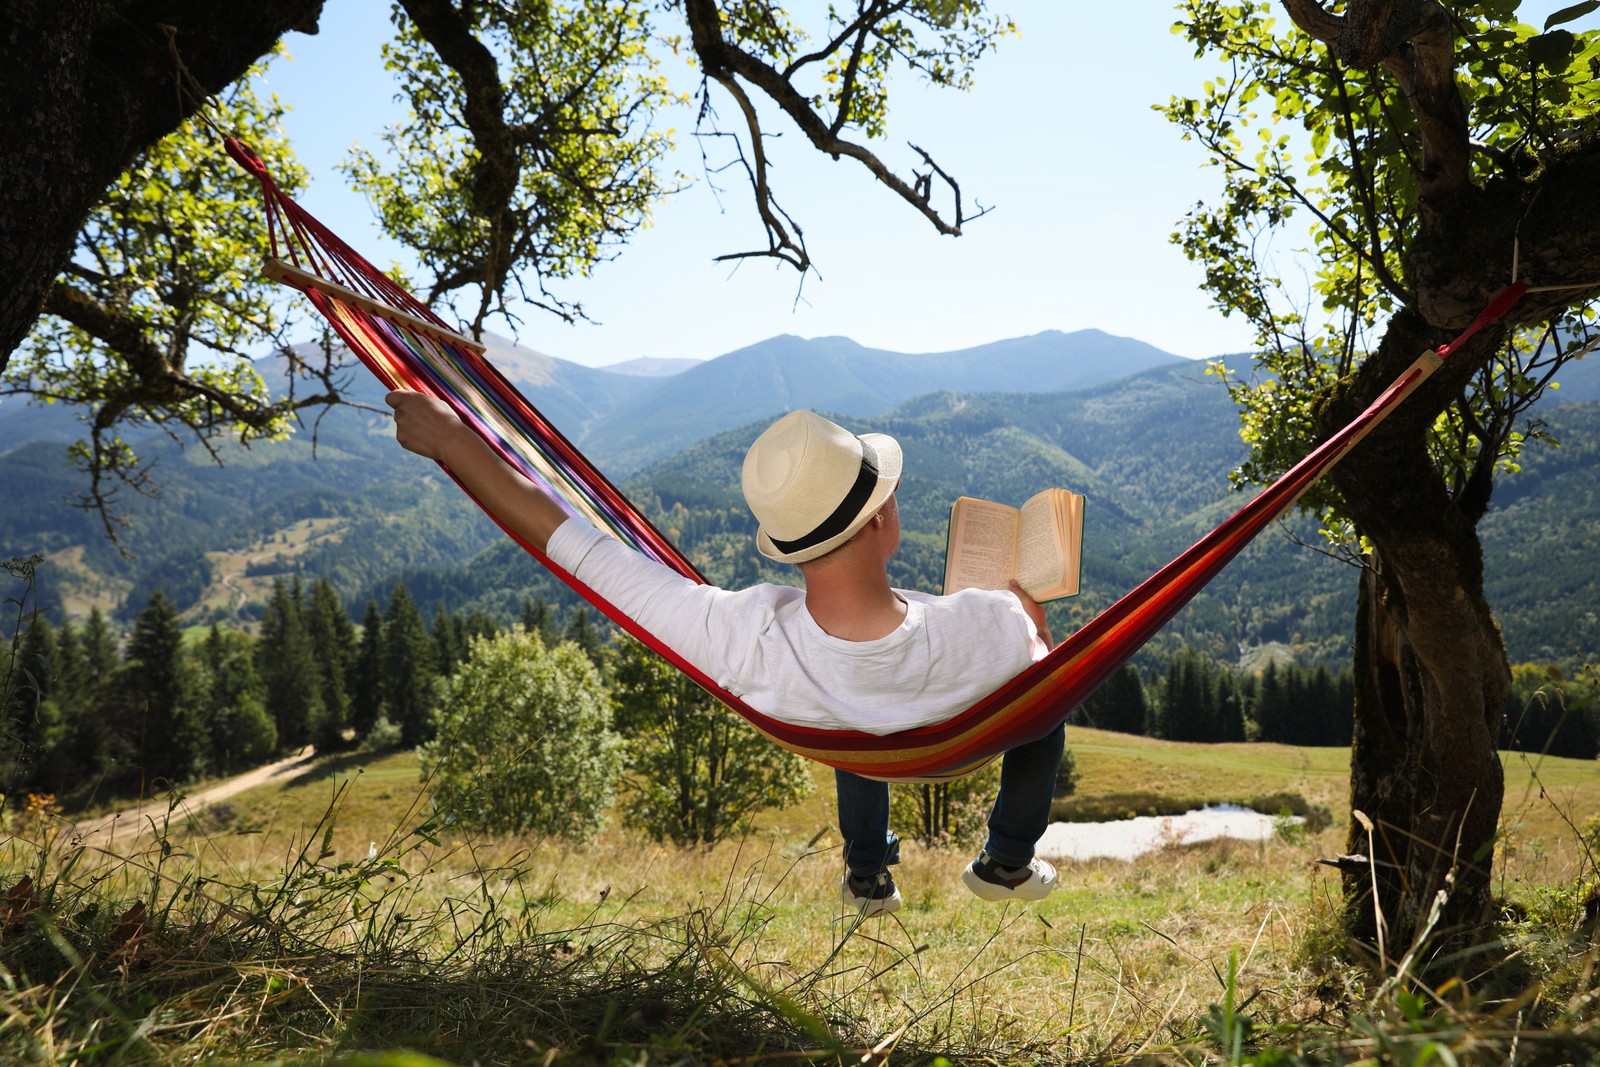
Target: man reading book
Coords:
[[846, 651]]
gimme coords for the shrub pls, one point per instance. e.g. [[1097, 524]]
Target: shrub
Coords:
[[524, 741], [700, 771], [950, 814]]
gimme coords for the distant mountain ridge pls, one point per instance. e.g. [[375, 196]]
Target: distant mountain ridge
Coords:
[[1152, 449], [837, 374], [626, 419]]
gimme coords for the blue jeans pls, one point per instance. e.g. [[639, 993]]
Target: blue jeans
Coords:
[[1019, 817]]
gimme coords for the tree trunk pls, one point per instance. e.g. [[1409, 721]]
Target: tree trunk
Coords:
[[87, 85], [1431, 680]]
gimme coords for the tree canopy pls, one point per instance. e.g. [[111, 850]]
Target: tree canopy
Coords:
[[530, 153], [1430, 156]]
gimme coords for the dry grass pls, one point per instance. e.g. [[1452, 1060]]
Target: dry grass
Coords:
[[328, 915]]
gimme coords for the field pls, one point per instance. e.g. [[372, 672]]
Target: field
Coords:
[[324, 914]]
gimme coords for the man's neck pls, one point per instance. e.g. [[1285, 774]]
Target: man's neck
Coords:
[[853, 601]]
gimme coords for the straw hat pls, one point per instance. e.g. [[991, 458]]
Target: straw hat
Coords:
[[812, 484]]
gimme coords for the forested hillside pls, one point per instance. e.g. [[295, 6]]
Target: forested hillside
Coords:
[[1152, 452]]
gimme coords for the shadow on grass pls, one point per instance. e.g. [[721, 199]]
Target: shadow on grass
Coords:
[[317, 770]]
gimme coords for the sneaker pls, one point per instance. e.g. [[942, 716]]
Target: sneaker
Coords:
[[991, 881], [870, 894]]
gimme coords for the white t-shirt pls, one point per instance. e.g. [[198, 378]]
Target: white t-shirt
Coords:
[[762, 645]]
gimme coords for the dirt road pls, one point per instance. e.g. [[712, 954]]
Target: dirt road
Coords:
[[131, 823]]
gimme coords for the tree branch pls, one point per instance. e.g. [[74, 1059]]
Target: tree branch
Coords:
[[726, 63], [1414, 41]]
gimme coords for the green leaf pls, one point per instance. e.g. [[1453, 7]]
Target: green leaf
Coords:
[[1551, 49], [1568, 14]]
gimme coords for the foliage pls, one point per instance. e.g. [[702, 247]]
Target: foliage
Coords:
[[19, 679], [157, 317], [333, 643], [1445, 145], [366, 674], [409, 669], [158, 694], [524, 741], [528, 152], [1119, 703], [287, 659], [699, 772], [946, 815], [234, 708], [1307, 144], [1552, 714]]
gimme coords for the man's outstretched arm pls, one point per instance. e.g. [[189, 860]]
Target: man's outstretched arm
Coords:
[[426, 425]]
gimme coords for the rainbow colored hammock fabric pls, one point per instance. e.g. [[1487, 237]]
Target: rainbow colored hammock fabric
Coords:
[[407, 346]]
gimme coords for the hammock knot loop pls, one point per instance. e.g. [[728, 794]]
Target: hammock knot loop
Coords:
[[246, 157]]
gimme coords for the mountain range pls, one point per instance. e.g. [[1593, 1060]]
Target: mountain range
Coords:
[[1145, 434]]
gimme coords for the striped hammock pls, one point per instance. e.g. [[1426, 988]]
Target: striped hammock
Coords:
[[409, 347]]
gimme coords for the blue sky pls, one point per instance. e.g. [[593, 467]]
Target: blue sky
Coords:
[[1087, 183]]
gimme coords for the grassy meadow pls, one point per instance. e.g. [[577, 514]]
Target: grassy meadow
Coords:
[[322, 916]]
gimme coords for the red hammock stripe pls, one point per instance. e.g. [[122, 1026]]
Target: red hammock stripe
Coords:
[[429, 357]]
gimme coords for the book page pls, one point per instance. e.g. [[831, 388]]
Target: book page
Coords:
[[982, 545], [1040, 561]]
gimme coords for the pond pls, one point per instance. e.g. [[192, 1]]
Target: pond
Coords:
[[1125, 839]]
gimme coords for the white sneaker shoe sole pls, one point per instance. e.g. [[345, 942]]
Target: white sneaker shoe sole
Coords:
[[1041, 883], [867, 907]]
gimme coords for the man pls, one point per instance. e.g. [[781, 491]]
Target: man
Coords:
[[846, 652]]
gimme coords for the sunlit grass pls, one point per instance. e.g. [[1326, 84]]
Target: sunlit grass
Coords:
[[330, 913]]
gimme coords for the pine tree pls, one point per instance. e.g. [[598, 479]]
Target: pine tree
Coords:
[[157, 684], [288, 667], [540, 618], [333, 642], [409, 669], [99, 650], [71, 686], [94, 740], [1269, 709], [239, 732], [582, 632], [367, 704], [34, 670], [1190, 700], [1119, 704], [449, 632]]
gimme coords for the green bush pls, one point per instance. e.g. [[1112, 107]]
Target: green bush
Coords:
[[952, 814], [524, 741], [700, 771]]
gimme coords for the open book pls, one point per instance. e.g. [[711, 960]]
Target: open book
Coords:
[[1039, 544]]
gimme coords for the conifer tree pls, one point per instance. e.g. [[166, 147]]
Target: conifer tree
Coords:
[[22, 718], [539, 618], [239, 732], [582, 632], [157, 685], [1227, 706], [62, 716], [449, 632], [409, 669], [99, 649], [288, 667], [366, 673], [1270, 707], [333, 642], [1189, 702], [71, 674], [92, 738], [1119, 704]]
